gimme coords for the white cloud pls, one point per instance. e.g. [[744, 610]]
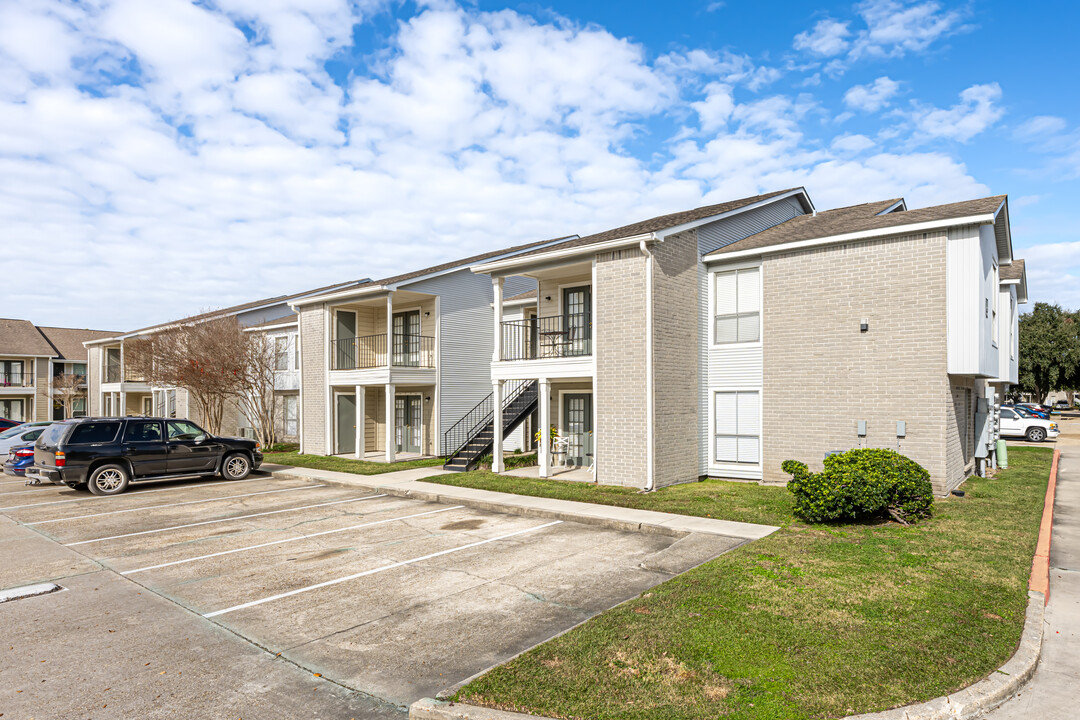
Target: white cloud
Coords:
[[897, 27], [474, 131], [976, 111], [872, 97], [827, 38], [1040, 127]]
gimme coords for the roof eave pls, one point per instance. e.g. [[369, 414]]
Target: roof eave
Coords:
[[346, 295], [506, 266], [796, 192], [720, 256]]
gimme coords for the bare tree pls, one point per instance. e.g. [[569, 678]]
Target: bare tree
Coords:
[[205, 358], [69, 387], [255, 386]]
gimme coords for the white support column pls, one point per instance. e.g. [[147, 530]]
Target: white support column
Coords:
[[122, 399], [544, 451], [360, 415], [497, 286], [496, 426], [391, 421], [389, 330]]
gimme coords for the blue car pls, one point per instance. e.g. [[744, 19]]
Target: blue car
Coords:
[[19, 458]]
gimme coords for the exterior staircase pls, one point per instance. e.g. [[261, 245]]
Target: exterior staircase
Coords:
[[473, 436]]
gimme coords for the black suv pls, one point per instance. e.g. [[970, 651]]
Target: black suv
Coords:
[[105, 454]]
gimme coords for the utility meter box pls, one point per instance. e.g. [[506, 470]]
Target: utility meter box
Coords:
[[984, 435]]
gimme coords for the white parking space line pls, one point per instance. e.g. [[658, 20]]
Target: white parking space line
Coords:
[[23, 492], [221, 520], [178, 504], [292, 539], [384, 568], [135, 493]]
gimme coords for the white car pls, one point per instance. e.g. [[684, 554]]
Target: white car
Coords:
[[1033, 429], [24, 434]]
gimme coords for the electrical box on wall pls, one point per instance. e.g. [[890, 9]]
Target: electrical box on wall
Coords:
[[862, 428], [901, 428]]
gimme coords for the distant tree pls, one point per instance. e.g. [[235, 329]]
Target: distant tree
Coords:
[[1049, 350], [69, 387], [255, 385]]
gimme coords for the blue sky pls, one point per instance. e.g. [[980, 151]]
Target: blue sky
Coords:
[[158, 159]]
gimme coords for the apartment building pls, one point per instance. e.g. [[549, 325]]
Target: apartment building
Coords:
[[33, 360], [723, 340], [397, 368]]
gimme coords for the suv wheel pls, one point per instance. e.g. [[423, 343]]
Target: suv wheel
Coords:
[[235, 467], [108, 480], [1036, 434]]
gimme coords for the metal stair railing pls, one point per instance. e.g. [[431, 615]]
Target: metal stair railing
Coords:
[[474, 422]]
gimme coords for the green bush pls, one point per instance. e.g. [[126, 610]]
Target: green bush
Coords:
[[860, 484]]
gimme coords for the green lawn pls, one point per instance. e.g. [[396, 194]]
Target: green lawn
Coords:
[[746, 502], [811, 622], [357, 467]]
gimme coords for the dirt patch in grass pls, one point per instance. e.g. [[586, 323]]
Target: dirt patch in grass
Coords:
[[810, 622]]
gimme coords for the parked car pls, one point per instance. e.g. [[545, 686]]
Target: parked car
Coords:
[[19, 458], [6, 424], [106, 454], [1035, 410], [1033, 429], [1062, 405], [24, 434]]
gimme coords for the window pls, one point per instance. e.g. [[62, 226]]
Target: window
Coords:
[[184, 430], [290, 414], [11, 374], [11, 410], [143, 431], [78, 407], [94, 432], [79, 369], [738, 306], [281, 353], [737, 427]]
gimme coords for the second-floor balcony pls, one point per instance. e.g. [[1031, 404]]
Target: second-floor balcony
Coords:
[[369, 351], [114, 373], [16, 379], [556, 336]]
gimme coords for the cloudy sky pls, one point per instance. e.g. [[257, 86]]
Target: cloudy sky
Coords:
[[160, 158]]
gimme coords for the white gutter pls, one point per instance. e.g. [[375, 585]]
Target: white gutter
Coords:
[[319, 299], [564, 254], [650, 475], [261, 328], [985, 219]]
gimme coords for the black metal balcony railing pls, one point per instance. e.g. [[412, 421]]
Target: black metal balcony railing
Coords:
[[547, 337], [369, 351], [16, 379], [114, 374]]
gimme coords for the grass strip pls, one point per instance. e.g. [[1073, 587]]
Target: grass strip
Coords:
[[348, 465]]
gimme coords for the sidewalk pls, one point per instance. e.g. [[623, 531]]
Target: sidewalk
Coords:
[[407, 483], [1053, 692]]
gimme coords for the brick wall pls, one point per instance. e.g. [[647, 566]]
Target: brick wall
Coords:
[[313, 376], [620, 368], [822, 375], [676, 371]]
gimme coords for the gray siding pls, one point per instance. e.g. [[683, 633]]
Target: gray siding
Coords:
[[711, 237], [258, 317], [465, 338]]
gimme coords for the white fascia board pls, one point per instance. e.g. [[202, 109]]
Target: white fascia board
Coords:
[[501, 267], [713, 218], [266, 328], [515, 303], [986, 219], [23, 355], [348, 294], [1015, 281]]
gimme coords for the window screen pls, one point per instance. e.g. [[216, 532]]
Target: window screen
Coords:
[[738, 306], [737, 427]]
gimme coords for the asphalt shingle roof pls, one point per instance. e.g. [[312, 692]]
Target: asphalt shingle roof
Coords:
[[1014, 271], [857, 218], [68, 342], [20, 337]]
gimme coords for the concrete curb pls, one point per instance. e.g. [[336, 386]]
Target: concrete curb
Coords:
[[608, 516], [1040, 565], [432, 709]]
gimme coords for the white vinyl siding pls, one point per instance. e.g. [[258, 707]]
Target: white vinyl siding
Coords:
[[737, 427], [737, 304]]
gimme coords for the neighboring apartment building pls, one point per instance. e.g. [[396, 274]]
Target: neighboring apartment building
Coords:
[[395, 368], [724, 340], [31, 358], [116, 391]]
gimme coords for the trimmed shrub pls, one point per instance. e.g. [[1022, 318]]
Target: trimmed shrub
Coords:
[[860, 484]]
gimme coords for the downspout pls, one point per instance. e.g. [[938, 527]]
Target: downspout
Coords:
[[650, 479]]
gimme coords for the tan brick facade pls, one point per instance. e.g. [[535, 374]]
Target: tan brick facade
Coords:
[[313, 377], [822, 375], [676, 367], [621, 385]]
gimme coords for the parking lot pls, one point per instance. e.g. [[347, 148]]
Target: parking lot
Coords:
[[392, 597]]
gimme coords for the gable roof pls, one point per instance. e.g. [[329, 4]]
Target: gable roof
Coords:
[[20, 337], [289, 319], [68, 342], [1015, 273], [666, 222], [857, 219]]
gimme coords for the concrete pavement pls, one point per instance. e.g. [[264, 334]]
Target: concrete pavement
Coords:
[[1054, 691]]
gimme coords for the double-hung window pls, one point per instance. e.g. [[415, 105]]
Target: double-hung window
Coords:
[[737, 427], [289, 402], [737, 306], [281, 353]]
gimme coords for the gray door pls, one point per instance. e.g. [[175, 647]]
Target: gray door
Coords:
[[346, 424], [577, 308], [407, 338], [408, 432], [577, 423], [345, 340]]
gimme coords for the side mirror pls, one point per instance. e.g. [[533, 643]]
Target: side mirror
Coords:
[[200, 439]]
